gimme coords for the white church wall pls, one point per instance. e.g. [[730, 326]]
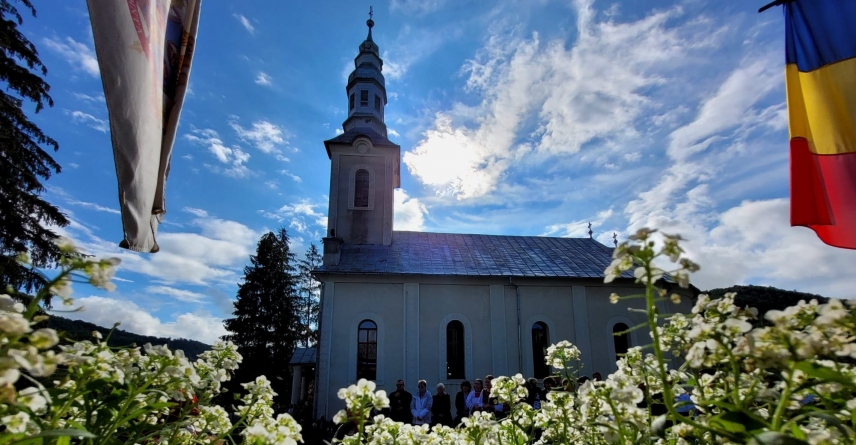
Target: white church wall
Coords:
[[353, 303]]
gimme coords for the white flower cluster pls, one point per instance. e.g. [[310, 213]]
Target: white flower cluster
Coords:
[[791, 380], [562, 354], [360, 400], [148, 395]]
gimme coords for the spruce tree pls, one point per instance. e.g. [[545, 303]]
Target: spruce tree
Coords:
[[24, 161], [265, 326], [310, 293]]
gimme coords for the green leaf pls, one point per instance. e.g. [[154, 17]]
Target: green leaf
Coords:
[[797, 432], [67, 432], [735, 422], [824, 373], [777, 438], [64, 440]]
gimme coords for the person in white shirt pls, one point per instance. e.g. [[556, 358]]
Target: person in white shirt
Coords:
[[421, 404], [476, 398]]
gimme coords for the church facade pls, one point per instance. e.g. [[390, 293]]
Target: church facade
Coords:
[[446, 307]]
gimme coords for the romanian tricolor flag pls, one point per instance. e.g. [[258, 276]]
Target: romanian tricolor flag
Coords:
[[820, 76]]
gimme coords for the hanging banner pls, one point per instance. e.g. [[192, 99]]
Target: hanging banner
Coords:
[[144, 50]]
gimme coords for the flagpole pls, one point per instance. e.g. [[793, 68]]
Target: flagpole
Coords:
[[773, 3]]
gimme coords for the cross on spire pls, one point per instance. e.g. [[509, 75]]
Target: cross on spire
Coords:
[[371, 12]]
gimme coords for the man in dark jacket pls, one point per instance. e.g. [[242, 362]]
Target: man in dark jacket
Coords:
[[399, 404]]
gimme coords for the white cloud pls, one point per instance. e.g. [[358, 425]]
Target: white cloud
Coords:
[[409, 212], [302, 216], [104, 311], [245, 23], [77, 54], [73, 165], [98, 98], [339, 131], [579, 228], [234, 156], [196, 212], [730, 106], [412, 45], [263, 135], [541, 99], [79, 117], [93, 206], [263, 79], [214, 254], [294, 177], [393, 132], [178, 294]]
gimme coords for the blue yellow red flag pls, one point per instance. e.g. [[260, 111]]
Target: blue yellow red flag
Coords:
[[820, 78]]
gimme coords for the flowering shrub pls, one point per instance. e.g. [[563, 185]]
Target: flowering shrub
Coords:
[[789, 382], [91, 393]]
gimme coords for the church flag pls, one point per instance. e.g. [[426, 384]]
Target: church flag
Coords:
[[820, 78], [144, 50]]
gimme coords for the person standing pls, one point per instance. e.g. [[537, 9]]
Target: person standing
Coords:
[[399, 404], [476, 398], [420, 404], [441, 407], [461, 410]]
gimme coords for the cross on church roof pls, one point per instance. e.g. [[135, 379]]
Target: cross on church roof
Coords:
[[371, 12]]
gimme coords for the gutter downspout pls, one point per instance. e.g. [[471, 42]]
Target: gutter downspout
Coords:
[[519, 328]]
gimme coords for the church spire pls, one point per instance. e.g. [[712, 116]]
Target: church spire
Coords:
[[367, 87], [370, 23]]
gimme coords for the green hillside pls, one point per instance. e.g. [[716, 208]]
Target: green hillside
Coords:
[[77, 330]]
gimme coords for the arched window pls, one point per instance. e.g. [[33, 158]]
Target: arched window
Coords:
[[455, 368], [361, 188], [364, 98], [540, 342], [351, 102], [621, 339], [367, 350]]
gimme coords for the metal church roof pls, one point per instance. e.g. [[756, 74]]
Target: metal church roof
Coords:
[[422, 253]]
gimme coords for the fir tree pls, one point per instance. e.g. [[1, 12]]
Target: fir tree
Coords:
[[24, 163], [265, 326], [310, 293]]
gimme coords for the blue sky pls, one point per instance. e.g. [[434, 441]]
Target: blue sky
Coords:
[[514, 117]]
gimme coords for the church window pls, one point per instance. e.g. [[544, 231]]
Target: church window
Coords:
[[367, 350], [377, 102], [455, 350], [362, 185], [621, 339], [351, 102], [364, 98], [540, 342]]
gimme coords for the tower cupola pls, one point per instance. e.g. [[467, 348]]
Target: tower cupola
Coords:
[[367, 88]]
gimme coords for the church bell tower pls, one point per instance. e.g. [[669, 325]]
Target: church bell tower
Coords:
[[364, 164]]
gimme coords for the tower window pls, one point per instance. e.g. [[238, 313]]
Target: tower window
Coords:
[[367, 350], [540, 341], [364, 98], [621, 338], [377, 102], [455, 350], [351, 102], [361, 188]]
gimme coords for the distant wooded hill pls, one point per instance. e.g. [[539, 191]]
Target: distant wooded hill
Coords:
[[765, 298], [78, 330]]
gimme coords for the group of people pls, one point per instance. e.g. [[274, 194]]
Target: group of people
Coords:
[[423, 408]]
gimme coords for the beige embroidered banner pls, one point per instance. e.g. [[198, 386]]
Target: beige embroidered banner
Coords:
[[144, 50]]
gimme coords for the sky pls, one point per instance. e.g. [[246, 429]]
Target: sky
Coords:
[[519, 117]]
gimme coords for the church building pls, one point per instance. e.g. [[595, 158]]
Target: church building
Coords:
[[446, 307]]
